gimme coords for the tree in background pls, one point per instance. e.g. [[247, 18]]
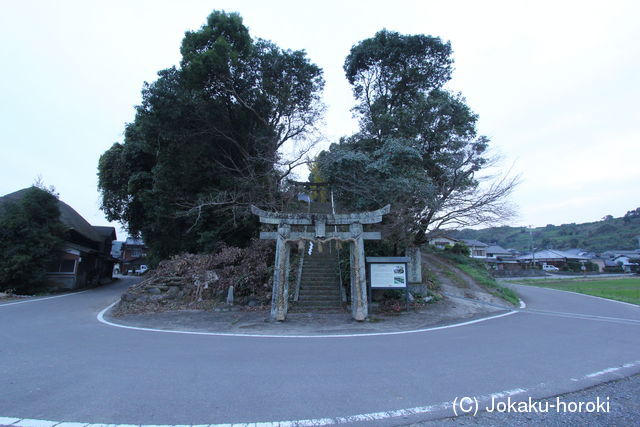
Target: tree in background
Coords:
[[417, 147], [208, 138], [30, 235]]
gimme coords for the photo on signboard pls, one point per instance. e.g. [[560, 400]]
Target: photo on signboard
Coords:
[[398, 280], [398, 269]]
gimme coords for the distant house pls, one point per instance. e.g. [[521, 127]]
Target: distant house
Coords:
[[477, 249], [442, 241], [134, 254], [495, 251], [600, 262], [627, 263], [630, 253], [84, 258], [623, 259], [552, 257]]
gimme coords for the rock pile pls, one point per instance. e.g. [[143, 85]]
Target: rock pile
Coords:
[[203, 282]]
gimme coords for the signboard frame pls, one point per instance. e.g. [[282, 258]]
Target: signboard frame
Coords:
[[390, 261]]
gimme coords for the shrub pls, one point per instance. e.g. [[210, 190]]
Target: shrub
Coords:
[[459, 249]]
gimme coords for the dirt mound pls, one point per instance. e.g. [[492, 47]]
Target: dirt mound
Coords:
[[202, 281]]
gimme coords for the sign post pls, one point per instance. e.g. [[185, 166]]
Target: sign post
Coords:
[[388, 273]]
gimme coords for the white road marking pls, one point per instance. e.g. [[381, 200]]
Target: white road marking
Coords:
[[615, 369], [65, 424], [371, 416], [507, 393], [522, 304], [101, 319], [42, 299], [36, 423], [582, 316]]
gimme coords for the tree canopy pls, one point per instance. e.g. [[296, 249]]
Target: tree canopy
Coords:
[[417, 147], [208, 139], [30, 235]]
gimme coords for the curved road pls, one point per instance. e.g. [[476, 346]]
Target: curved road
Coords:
[[57, 362]]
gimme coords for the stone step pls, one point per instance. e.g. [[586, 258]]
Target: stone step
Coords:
[[318, 304], [316, 279], [329, 266], [319, 286], [319, 275], [320, 281], [323, 309], [306, 309], [320, 292], [331, 298], [320, 295], [325, 293], [320, 265], [319, 271], [331, 281], [320, 256], [319, 300]]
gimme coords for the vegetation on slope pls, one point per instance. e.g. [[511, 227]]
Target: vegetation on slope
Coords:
[[608, 234], [478, 271]]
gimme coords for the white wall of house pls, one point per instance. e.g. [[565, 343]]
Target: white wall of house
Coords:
[[442, 242]]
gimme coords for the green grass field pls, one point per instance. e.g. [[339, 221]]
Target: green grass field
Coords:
[[623, 289]]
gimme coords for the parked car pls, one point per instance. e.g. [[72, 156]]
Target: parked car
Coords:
[[547, 267], [141, 270]]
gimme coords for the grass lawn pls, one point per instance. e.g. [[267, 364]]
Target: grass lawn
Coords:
[[624, 289]]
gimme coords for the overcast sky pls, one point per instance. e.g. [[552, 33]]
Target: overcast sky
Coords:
[[556, 85]]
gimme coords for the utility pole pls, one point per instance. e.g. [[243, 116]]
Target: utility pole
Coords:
[[533, 254]]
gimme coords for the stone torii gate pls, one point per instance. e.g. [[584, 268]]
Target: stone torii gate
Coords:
[[285, 236]]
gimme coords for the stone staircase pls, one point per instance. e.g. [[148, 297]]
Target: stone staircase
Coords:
[[320, 284], [319, 287]]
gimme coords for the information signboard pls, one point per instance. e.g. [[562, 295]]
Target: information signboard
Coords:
[[387, 272], [388, 275]]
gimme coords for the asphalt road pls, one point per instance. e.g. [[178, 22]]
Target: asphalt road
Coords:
[[57, 362]]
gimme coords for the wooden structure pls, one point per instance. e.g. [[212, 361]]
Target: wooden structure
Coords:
[[287, 233]]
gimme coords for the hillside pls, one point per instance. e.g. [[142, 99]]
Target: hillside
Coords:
[[608, 234]]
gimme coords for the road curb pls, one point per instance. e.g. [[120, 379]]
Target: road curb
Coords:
[[101, 318]]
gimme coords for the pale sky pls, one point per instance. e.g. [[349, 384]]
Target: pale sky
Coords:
[[556, 85]]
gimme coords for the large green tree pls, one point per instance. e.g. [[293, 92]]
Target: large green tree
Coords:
[[418, 146], [30, 236], [209, 137]]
